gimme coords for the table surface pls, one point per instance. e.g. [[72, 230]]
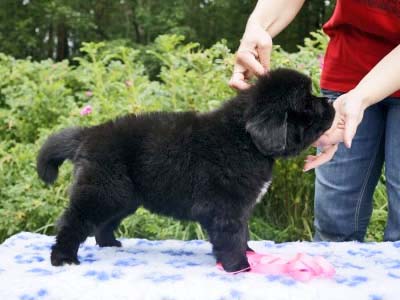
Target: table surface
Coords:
[[174, 270]]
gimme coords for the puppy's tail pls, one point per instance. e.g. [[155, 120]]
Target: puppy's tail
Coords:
[[56, 149]]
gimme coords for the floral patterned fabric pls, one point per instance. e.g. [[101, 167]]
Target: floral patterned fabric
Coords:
[[174, 270]]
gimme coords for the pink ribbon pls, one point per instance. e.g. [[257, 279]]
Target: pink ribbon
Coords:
[[301, 267]]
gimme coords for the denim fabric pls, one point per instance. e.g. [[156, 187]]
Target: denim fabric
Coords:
[[345, 185]]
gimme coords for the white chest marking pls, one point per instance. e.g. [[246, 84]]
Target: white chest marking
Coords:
[[263, 190]]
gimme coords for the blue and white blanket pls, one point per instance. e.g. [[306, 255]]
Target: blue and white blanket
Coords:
[[147, 270]]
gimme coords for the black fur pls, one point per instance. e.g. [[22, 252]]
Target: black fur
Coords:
[[58, 147], [206, 167]]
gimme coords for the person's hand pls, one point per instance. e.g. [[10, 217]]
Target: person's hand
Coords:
[[349, 109], [252, 57]]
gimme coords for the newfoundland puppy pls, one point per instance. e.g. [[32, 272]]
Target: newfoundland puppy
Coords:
[[207, 167]]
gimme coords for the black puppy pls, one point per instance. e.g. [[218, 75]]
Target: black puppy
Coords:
[[207, 167]]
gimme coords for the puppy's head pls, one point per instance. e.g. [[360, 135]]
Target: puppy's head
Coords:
[[284, 117]]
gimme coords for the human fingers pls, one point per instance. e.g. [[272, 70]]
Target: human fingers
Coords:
[[331, 137], [334, 134], [314, 161], [248, 59], [238, 79], [350, 131], [264, 50], [353, 114]]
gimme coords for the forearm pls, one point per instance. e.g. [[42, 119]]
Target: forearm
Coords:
[[275, 15], [382, 81]]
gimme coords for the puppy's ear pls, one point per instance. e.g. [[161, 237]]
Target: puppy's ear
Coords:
[[269, 133]]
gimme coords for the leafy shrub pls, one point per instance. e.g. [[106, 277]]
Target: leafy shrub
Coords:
[[39, 98]]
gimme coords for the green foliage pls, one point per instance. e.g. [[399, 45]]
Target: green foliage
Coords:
[[193, 79], [56, 29], [39, 98], [379, 213]]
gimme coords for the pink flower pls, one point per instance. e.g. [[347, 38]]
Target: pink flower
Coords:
[[89, 93], [86, 110], [128, 83], [321, 61]]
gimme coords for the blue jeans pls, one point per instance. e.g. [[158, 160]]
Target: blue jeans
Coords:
[[344, 186]]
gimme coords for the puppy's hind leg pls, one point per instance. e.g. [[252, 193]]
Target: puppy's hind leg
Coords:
[[104, 233], [84, 212], [122, 200], [90, 206], [73, 230]]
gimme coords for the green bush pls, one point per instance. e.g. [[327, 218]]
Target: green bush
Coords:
[[39, 98]]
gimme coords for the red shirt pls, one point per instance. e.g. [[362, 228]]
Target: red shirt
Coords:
[[361, 33]]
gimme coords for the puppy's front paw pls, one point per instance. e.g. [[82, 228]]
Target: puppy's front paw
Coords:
[[236, 266], [59, 258], [249, 249], [109, 243]]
